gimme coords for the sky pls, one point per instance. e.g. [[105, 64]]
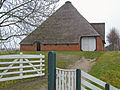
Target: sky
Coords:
[[99, 11]]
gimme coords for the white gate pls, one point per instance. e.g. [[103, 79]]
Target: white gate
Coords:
[[21, 67], [66, 80]]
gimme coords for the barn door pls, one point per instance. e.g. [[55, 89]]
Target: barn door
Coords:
[[38, 46], [88, 44]]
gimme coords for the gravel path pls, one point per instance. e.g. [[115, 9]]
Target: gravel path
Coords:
[[83, 64]]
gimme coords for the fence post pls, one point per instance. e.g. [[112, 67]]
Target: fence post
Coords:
[[51, 70], [107, 86], [78, 79]]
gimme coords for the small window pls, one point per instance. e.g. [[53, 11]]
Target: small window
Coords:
[[67, 44], [44, 44]]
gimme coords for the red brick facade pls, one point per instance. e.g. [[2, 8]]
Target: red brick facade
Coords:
[[69, 47], [28, 47], [100, 45]]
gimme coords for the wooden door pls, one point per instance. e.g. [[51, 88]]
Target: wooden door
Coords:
[[38, 46]]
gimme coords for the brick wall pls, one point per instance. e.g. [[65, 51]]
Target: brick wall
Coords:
[[100, 45], [28, 47], [72, 47]]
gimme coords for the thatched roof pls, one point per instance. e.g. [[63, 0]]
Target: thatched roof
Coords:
[[66, 25], [100, 28]]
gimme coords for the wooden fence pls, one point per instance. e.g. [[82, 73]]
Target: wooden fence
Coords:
[[21, 67], [88, 81], [66, 80], [72, 79]]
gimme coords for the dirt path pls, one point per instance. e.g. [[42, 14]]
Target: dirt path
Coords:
[[37, 84], [84, 64]]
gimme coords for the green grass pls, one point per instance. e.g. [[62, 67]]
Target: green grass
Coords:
[[107, 68], [73, 56], [63, 60], [7, 52]]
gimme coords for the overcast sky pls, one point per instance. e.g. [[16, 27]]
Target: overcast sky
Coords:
[[96, 11]]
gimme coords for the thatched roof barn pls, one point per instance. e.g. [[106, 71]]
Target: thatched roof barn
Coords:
[[66, 29]]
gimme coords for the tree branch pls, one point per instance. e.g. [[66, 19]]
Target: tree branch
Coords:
[[13, 36], [1, 3], [15, 8]]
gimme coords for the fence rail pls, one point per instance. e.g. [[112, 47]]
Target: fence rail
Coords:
[[66, 80], [88, 80], [20, 56], [21, 67], [22, 62]]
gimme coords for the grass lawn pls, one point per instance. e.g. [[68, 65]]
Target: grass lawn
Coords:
[[63, 59], [107, 68]]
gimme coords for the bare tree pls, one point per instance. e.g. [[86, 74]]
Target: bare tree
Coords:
[[19, 17], [113, 39]]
